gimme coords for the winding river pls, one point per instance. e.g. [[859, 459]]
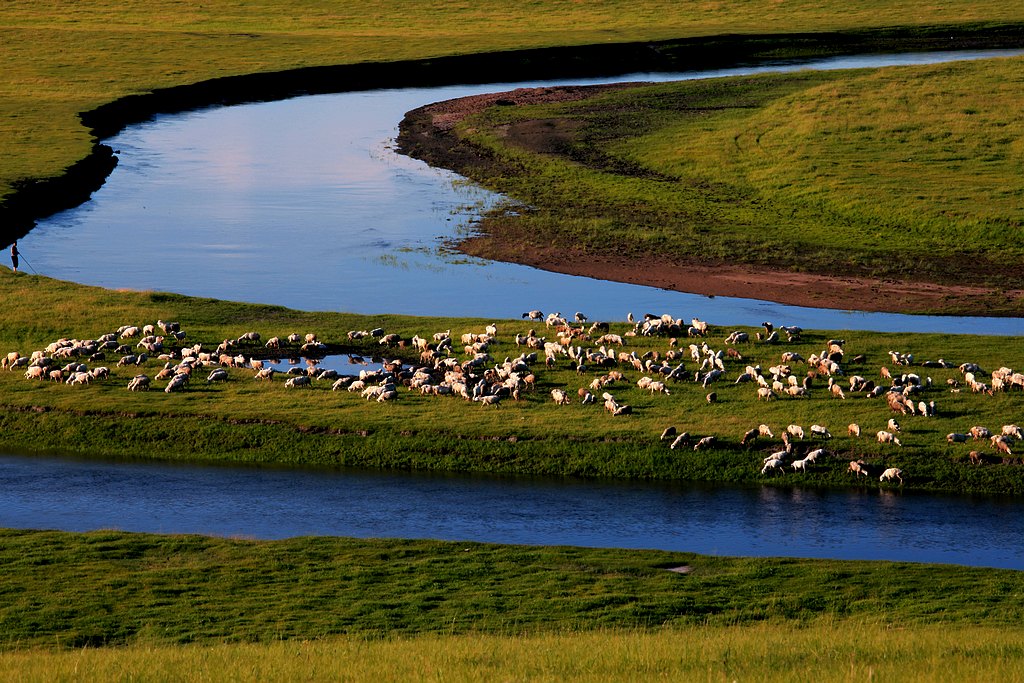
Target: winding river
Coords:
[[304, 203], [80, 495]]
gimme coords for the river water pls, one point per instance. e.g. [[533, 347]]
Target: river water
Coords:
[[82, 495], [304, 203]]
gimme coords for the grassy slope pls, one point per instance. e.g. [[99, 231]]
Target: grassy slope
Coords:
[[62, 59], [114, 588], [910, 172], [244, 420]]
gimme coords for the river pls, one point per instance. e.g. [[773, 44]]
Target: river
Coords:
[[304, 203], [271, 503]]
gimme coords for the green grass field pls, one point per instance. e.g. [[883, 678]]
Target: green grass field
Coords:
[[244, 420], [109, 605], [909, 173]]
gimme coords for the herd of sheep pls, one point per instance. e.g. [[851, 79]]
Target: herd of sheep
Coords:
[[438, 365]]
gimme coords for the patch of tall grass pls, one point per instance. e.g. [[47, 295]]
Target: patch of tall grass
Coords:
[[827, 651]]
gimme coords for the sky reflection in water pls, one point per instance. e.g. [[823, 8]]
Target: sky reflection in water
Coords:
[[303, 203]]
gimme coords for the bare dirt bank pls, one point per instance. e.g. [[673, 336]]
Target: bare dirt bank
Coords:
[[426, 134]]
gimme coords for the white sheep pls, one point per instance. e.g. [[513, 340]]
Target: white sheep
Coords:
[[772, 465], [979, 432], [858, 467], [887, 437], [703, 443], [892, 473], [820, 432], [814, 455], [795, 430], [299, 381], [218, 375]]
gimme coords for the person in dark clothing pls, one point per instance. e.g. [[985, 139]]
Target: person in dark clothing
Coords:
[[14, 256]]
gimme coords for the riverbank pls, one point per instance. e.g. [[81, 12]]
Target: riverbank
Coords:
[[571, 142]]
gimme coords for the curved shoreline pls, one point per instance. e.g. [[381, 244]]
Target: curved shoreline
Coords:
[[37, 198], [426, 135]]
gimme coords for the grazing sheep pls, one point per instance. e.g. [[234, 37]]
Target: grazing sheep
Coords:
[[893, 425], [887, 437], [1013, 431], [771, 466], [814, 455], [1002, 444], [800, 465], [892, 473], [765, 393], [859, 467], [139, 383], [79, 378], [560, 397], [764, 430], [704, 443], [36, 372], [681, 440], [265, 373], [820, 432], [796, 430], [218, 375], [668, 433], [749, 435], [177, 383], [299, 381], [853, 429], [491, 400], [979, 432], [956, 437]]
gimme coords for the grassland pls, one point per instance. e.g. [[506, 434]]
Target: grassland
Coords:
[[248, 421], [61, 60], [902, 173], [151, 594], [109, 588]]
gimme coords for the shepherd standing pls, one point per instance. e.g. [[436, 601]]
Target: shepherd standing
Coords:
[[14, 256]]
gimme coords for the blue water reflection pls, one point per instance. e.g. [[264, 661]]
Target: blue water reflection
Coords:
[[304, 203], [81, 495]]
